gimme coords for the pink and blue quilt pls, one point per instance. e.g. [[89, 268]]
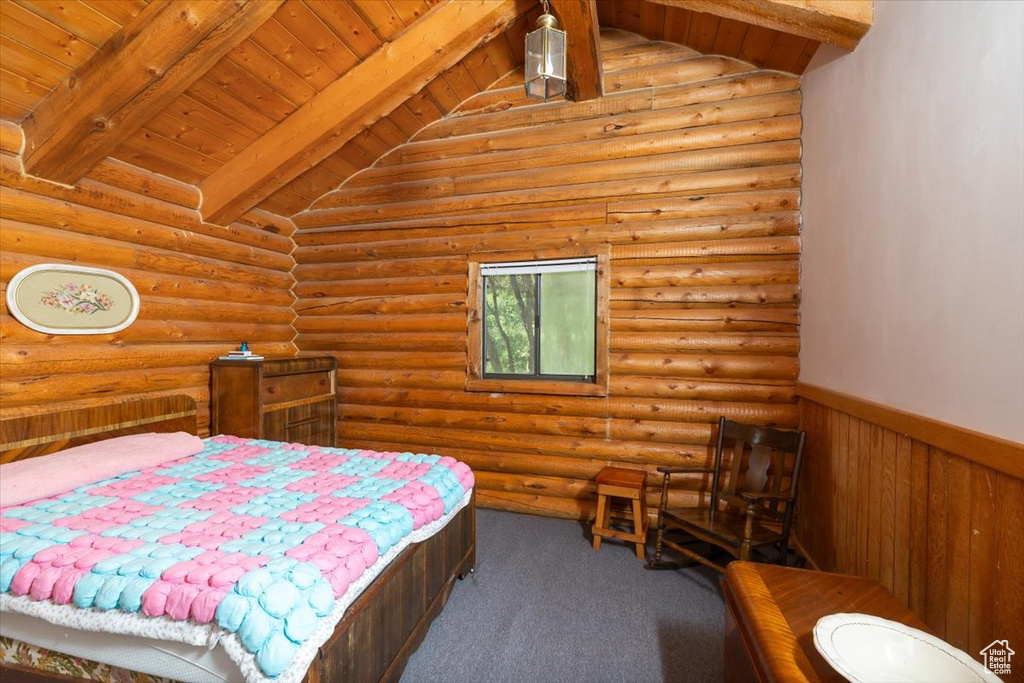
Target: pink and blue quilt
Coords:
[[259, 539]]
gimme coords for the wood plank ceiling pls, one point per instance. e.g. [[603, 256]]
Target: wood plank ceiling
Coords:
[[298, 53]]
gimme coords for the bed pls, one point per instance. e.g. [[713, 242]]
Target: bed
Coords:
[[376, 633]]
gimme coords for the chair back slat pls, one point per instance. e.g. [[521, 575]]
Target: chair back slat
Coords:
[[757, 468], [778, 474], [760, 460], [735, 484]]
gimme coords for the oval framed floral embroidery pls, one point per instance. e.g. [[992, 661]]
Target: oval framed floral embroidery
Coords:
[[62, 299]]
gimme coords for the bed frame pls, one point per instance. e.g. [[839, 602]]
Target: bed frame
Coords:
[[380, 630]]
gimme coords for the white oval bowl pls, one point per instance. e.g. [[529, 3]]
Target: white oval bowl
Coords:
[[869, 649]]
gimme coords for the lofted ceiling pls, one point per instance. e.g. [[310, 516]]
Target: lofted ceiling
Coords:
[[273, 103]]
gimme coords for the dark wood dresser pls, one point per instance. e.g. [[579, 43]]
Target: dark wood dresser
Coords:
[[285, 399]]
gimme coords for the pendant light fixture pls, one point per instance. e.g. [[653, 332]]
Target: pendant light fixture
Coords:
[[545, 58]]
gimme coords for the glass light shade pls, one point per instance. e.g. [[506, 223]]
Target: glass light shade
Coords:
[[545, 60]]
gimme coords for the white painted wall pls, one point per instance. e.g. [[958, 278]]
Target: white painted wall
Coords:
[[913, 205]]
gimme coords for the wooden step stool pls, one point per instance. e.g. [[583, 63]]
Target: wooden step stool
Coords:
[[621, 482]]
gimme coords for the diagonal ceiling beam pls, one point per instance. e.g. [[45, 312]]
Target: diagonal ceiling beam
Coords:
[[361, 96], [134, 76], [578, 18], [836, 22]]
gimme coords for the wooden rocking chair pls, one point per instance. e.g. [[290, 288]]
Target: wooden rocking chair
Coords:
[[753, 494]]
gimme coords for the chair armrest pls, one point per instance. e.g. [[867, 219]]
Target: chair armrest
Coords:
[[754, 497], [686, 470]]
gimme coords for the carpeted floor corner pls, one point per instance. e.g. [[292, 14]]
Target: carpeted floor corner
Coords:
[[544, 607]]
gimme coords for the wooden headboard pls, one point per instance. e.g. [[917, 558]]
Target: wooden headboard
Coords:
[[30, 432]]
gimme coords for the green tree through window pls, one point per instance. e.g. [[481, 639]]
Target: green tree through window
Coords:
[[539, 319]]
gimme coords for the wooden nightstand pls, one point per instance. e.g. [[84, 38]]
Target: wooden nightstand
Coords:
[[286, 399]]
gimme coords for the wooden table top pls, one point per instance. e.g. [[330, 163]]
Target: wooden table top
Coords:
[[777, 608]]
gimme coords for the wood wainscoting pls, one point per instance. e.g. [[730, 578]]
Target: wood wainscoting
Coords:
[[932, 511]]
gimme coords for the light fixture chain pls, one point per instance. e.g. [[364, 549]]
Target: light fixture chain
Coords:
[[547, 7]]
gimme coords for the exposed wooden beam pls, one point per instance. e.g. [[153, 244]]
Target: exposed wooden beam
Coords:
[[578, 18], [361, 96], [836, 22], [134, 76]]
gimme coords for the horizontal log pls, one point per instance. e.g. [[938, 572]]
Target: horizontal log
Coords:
[[11, 137], [685, 365], [36, 360], [268, 222], [747, 273], [693, 70], [623, 408], [400, 268], [578, 489], [382, 305], [316, 227], [714, 342], [435, 379], [758, 319], [709, 205], [652, 298], [561, 487], [60, 244], [337, 341], [760, 390], [39, 210], [525, 424], [533, 504], [116, 173], [580, 510], [158, 329], [397, 359], [644, 53], [383, 324], [665, 252], [199, 311], [577, 447], [61, 387], [404, 286], [619, 39], [724, 89]]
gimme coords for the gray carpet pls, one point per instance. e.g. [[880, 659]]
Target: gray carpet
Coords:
[[544, 607]]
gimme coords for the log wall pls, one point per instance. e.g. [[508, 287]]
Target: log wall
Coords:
[[203, 287], [688, 168], [933, 512]]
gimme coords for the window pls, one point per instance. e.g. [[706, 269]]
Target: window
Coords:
[[538, 323]]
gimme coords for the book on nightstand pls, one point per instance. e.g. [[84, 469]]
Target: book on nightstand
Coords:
[[241, 355]]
